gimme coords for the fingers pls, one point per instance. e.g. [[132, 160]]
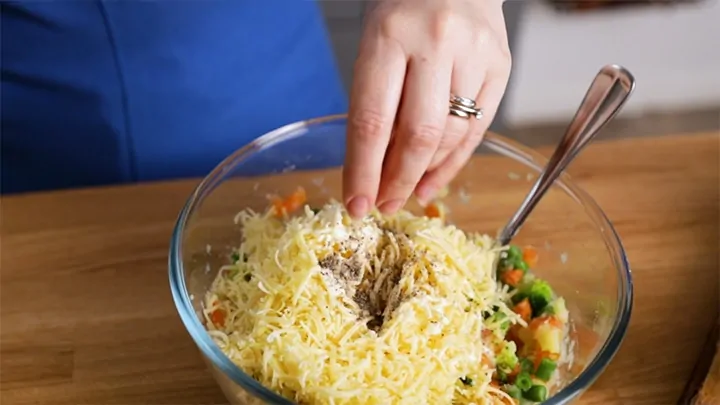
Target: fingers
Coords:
[[420, 127], [467, 79], [488, 100], [377, 86]]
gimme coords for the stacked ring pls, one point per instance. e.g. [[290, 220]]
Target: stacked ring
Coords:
[[464, 107]]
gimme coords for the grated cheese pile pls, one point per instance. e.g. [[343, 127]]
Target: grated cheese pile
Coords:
[[385, 310]]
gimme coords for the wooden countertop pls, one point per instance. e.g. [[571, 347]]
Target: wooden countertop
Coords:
[[87, 316]]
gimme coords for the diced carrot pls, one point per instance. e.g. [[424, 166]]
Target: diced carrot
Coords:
[[551, 320], [278, 207], [530, 256], [433, 211], [487, 333], [485, 361], [218, 317], [535, 323], [544, 354], [523, 309], [512, 277], [295, 200], [513, 335]]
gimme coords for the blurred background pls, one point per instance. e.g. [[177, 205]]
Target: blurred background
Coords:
[[671, 46]]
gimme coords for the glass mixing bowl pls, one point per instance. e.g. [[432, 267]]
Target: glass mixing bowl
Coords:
[[580, 253]]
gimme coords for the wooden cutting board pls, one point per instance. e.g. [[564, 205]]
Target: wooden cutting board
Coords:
[[87, 316]]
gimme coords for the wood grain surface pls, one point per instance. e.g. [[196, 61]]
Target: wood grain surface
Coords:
[[87, 317]]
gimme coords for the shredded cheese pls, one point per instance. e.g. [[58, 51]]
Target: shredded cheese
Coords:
[[294, 323]]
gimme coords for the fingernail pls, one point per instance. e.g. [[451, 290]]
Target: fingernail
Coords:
[[390, 207], [358, 206], [425, 193]]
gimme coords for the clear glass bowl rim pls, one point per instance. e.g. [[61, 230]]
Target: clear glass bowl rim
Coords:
[[498, 144]]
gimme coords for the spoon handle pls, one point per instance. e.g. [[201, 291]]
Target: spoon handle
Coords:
[[608, 92]]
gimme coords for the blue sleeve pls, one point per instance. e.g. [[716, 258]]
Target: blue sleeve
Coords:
[[103, 92]]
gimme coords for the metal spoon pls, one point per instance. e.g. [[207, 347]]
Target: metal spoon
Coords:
[[605, 97]]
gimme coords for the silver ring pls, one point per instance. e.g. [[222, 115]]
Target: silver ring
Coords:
[[465, 102], [468, 110], [459, 113], [464, 113], [464, 108]]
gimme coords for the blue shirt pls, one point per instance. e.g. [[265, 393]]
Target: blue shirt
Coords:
[[101, 92]]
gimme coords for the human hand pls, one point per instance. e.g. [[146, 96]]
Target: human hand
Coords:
[[420, 52]]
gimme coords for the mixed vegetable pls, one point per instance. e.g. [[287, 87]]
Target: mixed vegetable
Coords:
[[289, 204], [529, 357], [526, 357]]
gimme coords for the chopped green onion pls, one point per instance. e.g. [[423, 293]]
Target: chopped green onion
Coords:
[[536, 393], [467, 381], [527, 365], [523, 381], [247, 277], [513, 391], [501, 375], [546, 369]]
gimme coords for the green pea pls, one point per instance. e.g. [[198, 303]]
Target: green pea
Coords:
[[504, 264], [527, 365], [536, 393], [523, 381], [521, 265], [546, 369]]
